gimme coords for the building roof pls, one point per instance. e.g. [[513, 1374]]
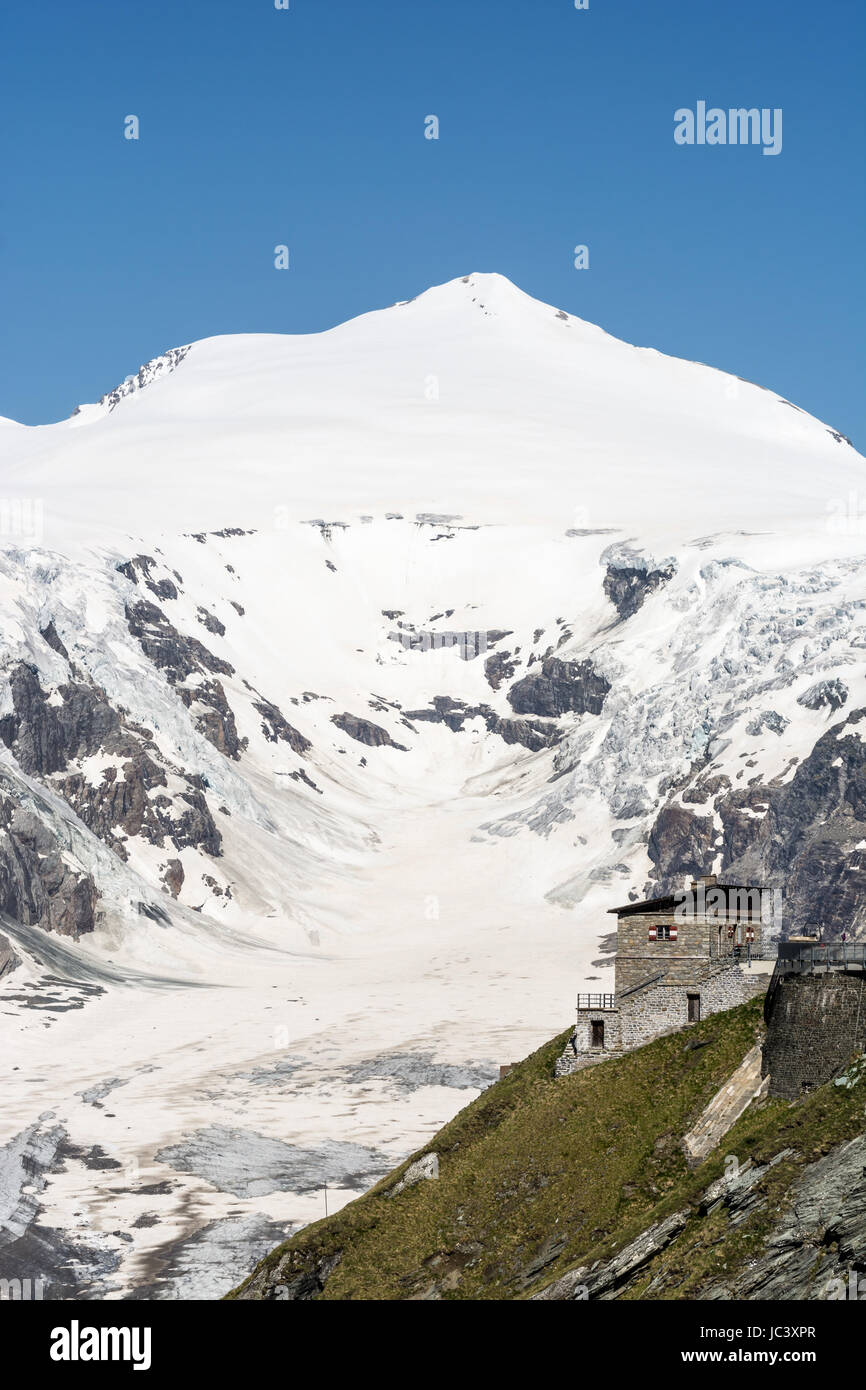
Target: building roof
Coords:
[[673, 900]]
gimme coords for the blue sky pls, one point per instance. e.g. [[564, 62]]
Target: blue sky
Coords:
[[306, 127]]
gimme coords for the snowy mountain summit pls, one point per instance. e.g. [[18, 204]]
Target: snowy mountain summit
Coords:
[[471, 398], [347, 680]]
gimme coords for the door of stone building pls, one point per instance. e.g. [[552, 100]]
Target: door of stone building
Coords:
[[598, 1033], [694, 1008]]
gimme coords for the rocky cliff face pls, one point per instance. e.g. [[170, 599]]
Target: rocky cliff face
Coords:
[[630, 578], [803, 832], [810, 1252], [560, 687], [716, 726], [151, 371], [37, 885], [8, 958]]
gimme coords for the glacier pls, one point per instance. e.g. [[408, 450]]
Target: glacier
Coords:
[[346, 682]]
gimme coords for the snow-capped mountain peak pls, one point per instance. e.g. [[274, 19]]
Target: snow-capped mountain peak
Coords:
[[472, 398], [346, 680]]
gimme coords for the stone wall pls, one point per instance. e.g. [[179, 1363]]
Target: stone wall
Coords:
[[816, 1024], [665, 1006], [699, 941], [660, 1008], [583, 1028]]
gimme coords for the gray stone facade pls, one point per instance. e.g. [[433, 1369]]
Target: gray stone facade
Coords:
[[816, 1024], [677, 961]]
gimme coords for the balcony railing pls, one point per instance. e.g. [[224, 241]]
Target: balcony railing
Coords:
[[596, 1001], [795, 957]]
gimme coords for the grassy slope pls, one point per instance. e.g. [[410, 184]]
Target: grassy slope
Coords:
[[589, 1161]]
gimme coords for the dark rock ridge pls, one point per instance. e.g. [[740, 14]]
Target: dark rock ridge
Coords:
[[293, 1281], [173, 877], [561, 687], [49, 634], [151, 371], [171, 651], [365, 731], [607, 1277], [531, 733], [628, 585], [191, 668], [144, 565], [276, 727], [181, 658], [498, 668], [814, 1244], [8, 958], [121, 806], [830, 695], [211, 622], [37, 887], [802, 835], [680, 844], [213, 716], [46, 737]]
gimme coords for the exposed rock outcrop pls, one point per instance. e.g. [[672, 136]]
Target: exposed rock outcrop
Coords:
[[561, 687], [49, 634], [211, 622], [725, 1108], [806, 834], [498, 668], [630, 578], [183, 658], [37, 885], [424, 1169], [213, 716], [292, 1281], [151, 371], [531, 733], [8, 958], [173, 652], [819, 1240], [49, 733], [44, 735], [173, 877], [604, 1279], [680, 843], [144, 565], [831, 695], [276, 727], [365, 731]]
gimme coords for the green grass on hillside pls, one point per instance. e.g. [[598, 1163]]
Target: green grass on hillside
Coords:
[[539, 1175], [532, 1161]]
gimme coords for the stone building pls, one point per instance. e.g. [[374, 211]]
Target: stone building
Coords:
[[678, 959]]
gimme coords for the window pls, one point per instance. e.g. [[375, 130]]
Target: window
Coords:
[[598, 1033], [694, 1008], [663, 932]]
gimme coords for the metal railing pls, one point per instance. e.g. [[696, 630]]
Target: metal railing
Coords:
[[796, 958], [754, 950], [596, 1001]]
